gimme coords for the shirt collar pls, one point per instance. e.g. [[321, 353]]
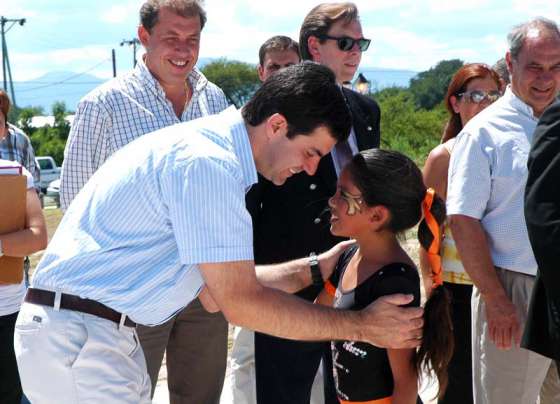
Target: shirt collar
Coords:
[[518, 104], [242, 145]]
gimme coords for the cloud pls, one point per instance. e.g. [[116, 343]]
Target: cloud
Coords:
[[17, 9], [120, 13], [96, 59], [404, 49], [534, 8]]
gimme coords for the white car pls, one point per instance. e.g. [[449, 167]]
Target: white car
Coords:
[[53, 191], [48, 171]]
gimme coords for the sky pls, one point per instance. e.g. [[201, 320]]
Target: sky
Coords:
[[76, 36]]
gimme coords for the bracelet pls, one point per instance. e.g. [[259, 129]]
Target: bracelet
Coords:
[[316, 275]]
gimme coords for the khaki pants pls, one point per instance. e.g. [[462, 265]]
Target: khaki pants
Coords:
[[196, 345], [515, 376]]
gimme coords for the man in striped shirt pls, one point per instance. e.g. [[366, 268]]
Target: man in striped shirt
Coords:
[[165, 88], [163, 221]]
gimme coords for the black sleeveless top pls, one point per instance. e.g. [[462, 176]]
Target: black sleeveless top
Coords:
[[362, 371]]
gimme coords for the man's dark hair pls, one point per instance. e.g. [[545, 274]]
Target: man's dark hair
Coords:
[[308, 97], [149, 12], [320, 19], [277, 43]]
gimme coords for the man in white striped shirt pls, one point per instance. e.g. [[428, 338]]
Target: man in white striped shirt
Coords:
[[165, 88], [163, 221]]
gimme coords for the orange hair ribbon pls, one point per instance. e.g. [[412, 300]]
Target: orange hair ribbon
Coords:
[[433, 251]]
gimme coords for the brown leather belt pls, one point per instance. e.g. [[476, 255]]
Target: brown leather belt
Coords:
[[75, 303]]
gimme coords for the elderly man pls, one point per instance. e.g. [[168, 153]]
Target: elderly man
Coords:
[[292, 220], [487, 176], [118, 259], [165, 88]]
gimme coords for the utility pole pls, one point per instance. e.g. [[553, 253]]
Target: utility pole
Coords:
[[6, 70], [114, 62], [134, 43]]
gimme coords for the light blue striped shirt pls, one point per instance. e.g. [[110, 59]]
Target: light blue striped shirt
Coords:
[[166, 202]]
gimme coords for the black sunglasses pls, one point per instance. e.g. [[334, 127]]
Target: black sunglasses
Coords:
[[345, 43], [477, 96]]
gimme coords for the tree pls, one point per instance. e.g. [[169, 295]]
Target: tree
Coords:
[[406, 128], [51, 140], [429, 87], [238, 80]]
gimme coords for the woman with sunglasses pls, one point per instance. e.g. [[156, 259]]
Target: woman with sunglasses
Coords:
[[472, 88]]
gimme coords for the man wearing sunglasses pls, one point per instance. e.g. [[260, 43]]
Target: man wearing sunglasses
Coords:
[[292, 220], [487, 177]]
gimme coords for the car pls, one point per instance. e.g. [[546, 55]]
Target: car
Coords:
[[53, 191], [48, 171]]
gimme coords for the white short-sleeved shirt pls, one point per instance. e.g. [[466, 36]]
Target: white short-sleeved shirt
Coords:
[[166, 202], [11, 296], [487, 176]]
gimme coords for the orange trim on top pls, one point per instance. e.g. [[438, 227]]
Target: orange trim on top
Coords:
[[433, 252], [386, 400], [329, 287]]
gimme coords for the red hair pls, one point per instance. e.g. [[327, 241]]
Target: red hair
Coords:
[[459, 84]]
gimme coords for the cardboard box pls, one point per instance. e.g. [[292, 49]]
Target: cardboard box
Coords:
[[13, 198]]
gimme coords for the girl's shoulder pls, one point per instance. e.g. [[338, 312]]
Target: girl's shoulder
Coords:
[[392, 278], [342, 263]]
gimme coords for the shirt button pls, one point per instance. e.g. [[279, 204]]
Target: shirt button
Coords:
[[317, 220], [313, 187]]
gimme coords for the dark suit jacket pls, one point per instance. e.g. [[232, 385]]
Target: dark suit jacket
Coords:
[[542, 214], [291, 221]]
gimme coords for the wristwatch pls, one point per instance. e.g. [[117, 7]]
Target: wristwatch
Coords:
[[316, 275]]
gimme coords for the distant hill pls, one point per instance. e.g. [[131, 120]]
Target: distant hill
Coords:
[[71, 87], [55, 86], [381, 78]]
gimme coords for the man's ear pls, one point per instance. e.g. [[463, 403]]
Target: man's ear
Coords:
[[509, 63], [276, 124], [143, 35], [313, 48], [260, 72]]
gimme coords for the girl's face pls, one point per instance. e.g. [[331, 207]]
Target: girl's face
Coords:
[[348, 209]]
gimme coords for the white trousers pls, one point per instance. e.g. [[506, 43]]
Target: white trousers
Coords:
[[239, 386], [515, 376], [69, 357]]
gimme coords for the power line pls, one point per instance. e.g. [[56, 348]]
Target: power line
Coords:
[[66, 79]]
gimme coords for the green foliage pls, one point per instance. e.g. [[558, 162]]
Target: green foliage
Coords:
[[48, 140], [238, 80], [429, 87], [411, 131]]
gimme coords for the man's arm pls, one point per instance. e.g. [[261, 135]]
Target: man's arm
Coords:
[[472, 245], [83, 150], [245, 302], [295, 275]]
